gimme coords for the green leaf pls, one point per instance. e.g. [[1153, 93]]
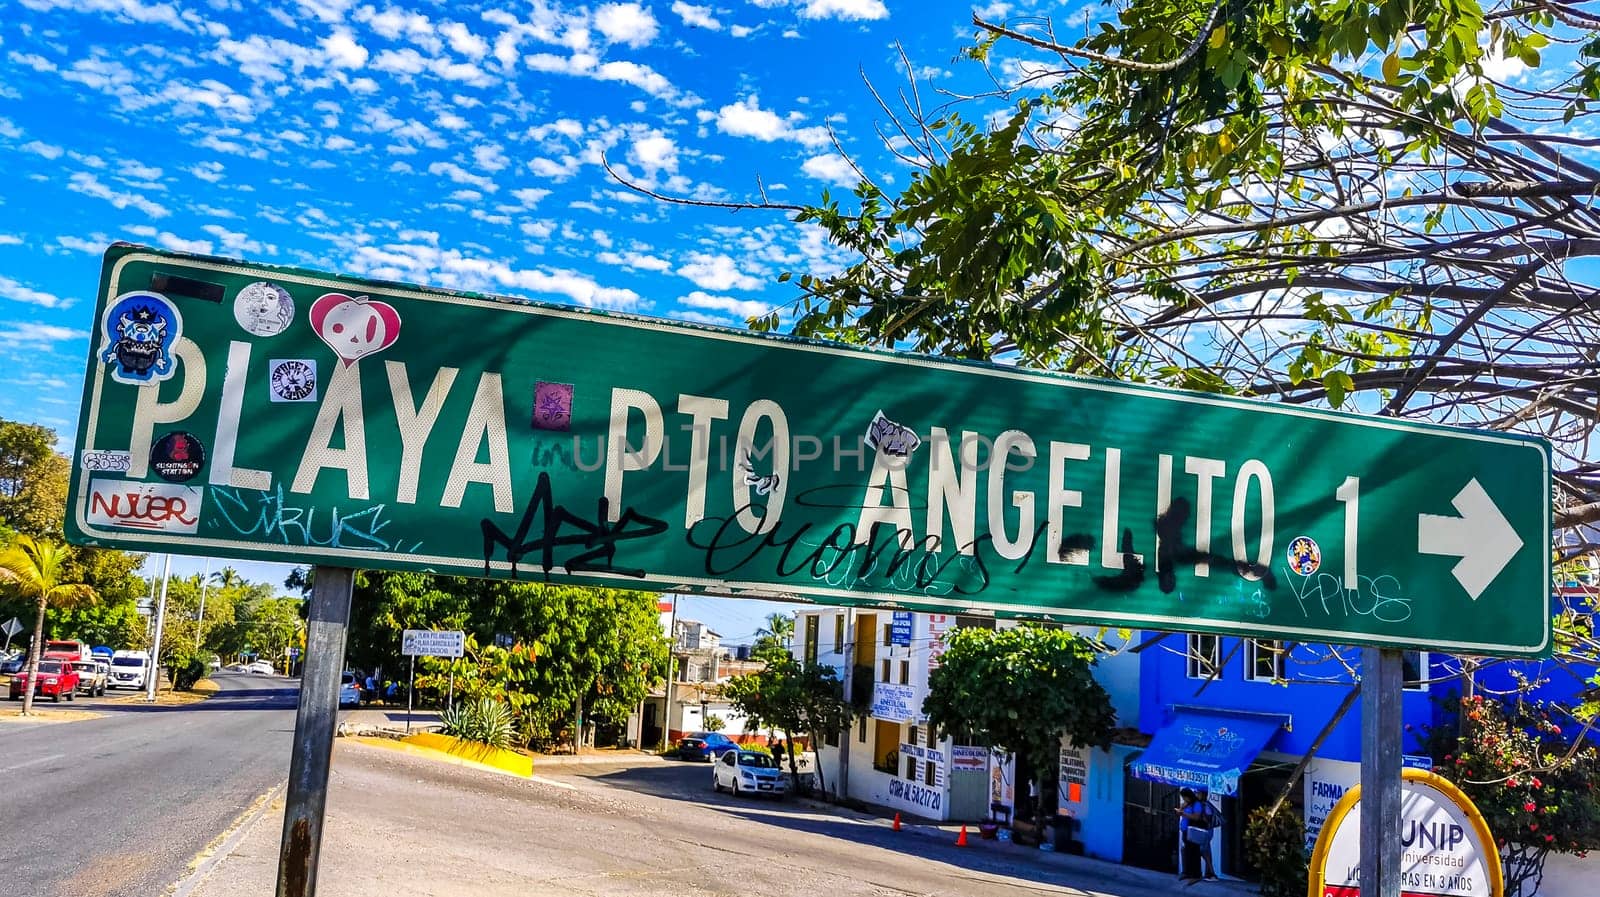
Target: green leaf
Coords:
[[1338, 384]]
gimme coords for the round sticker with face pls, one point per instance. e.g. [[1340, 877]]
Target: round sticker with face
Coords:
[[354, 328], [264, 309], [1305, 558], [177, 457]]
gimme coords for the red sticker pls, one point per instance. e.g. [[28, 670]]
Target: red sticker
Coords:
[[354, 328]]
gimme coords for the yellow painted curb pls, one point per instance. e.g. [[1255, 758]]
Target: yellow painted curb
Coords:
[[452, 750]]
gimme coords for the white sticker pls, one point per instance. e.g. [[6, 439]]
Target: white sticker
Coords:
[[264, 309], [105, 461], [292, 379], [891, 438], [163, 507]]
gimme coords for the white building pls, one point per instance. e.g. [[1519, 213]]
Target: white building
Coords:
[[890, 758]]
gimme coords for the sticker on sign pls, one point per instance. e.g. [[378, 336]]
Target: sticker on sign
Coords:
[[433, 643]]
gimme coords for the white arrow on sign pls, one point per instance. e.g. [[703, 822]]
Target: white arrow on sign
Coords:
[[1481, 537]]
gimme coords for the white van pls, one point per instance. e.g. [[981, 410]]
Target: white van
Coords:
[[128, 669]]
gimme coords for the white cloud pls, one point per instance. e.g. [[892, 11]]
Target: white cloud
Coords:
[[746, 118], [338, 143], [40, 148], [94, 244], [126, 10], [696, 16], [35, 335], [643, 77], [717, 272], [529, 196], [854, 10], [10, 240], [626, 23], [464, 41], [743, 308], [655, 153], [343, 51], [20, 292], [86, 183], [462, 176], [183, 244], [490, 157], [237, 243], [832, 168], [740, 30], [638, 261]]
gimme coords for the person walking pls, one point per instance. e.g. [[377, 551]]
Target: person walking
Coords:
[[1188, 852], [1203, 820]]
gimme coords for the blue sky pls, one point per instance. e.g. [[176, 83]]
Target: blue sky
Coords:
[[451, 144]]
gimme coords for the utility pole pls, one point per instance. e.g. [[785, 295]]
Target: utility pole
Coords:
[[672, 660], [842, 780], [200, 619], [153, 671]]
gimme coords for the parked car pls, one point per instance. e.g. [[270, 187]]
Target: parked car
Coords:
[[259, 668], [349, 690], [93, 676], [702, 746], [749, 772], [13, 664], [128, 669], [57, 679]]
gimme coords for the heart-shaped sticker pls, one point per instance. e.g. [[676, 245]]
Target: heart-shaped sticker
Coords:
[[354, 328]]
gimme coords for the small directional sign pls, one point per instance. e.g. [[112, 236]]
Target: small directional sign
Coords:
[[278, 414], [11, 627]]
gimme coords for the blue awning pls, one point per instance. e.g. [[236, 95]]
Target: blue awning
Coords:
[[1203, 748]]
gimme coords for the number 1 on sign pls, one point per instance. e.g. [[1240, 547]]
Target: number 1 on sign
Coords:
[[1350, 493]]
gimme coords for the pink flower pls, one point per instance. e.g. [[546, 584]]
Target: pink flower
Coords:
[[1530, 806]]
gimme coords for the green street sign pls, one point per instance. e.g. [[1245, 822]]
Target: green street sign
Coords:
[[249, 411]]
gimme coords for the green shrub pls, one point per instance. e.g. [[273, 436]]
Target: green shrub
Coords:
[[184, 670], [1276, 846], [484, 720], [714, 723]]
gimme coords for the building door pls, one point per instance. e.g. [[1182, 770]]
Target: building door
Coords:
[[1150, 825]]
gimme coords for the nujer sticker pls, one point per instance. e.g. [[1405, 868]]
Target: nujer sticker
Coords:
[[138, 333], [264, 309], [354, 328], [292, 379]]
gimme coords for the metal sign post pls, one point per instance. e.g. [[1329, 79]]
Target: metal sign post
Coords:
[[153, 668], [11, 628], [314, 726], [411, 688], [1382, 693]]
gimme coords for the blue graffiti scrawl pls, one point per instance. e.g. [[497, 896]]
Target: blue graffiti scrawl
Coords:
[[138, 332]]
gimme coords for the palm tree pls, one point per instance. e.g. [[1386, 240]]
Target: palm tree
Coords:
[[226, 577], [779, 628], [38, 569]]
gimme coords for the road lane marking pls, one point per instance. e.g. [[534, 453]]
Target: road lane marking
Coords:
[[34, 762]]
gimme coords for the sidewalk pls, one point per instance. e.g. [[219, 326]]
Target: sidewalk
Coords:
[[1102, 870]]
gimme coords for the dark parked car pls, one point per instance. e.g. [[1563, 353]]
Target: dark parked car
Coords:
[[703, 746]]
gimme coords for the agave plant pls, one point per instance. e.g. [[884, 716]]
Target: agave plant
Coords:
[[485, 720]]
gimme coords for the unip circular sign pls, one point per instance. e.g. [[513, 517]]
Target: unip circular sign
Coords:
[[1446, 849]]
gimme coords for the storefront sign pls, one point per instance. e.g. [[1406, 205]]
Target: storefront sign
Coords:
[[937, 625], [895, 702], [915, 798], [966, 758], [1446, 847], [1074, 771], [1326, 782], [433, 643], [900, 629]]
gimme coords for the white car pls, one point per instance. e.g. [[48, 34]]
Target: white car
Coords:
[[749, 772], [260, 668]]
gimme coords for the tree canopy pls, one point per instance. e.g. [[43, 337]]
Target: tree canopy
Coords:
[[1019, 690]]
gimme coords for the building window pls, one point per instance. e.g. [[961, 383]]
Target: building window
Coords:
[[886, 746], [930, 775], [811, 638], [831, 739], [1414, 670], [1205, 656], [1265, 660], [905, 672], [915, 734], [861, 730], [888, 634], [885, 669], [838, 633], [912, 764]]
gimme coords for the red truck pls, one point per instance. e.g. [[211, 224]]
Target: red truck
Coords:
[[57, 679]]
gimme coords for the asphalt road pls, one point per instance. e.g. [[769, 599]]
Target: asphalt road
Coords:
[[117, 806]]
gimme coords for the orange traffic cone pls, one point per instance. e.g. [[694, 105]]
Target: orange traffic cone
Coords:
[[961, 839], [897, 822]]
